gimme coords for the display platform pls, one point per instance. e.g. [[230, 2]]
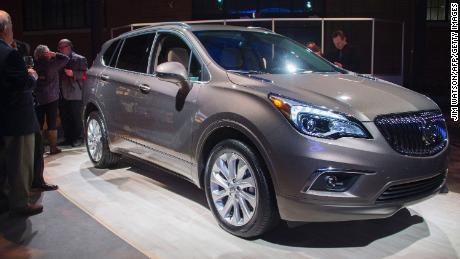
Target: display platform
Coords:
[[164, 216]]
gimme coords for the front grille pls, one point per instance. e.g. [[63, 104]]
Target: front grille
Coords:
[[406, 191], [414, 134]]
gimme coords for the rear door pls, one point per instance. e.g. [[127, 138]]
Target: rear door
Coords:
[[123, 99], [106, 88]]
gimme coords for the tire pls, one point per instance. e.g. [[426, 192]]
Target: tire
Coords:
[[252, 217], [102, 157]]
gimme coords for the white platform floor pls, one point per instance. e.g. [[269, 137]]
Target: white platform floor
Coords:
[[164, 216]]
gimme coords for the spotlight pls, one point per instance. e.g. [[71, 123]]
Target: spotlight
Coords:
[[308, 5]]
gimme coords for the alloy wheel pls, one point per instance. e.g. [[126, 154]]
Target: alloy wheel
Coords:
[[94, 140], [233, 189]]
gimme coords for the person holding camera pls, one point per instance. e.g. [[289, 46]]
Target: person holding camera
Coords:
[[48, 64]]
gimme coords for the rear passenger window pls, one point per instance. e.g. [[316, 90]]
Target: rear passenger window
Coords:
[[134, 54], [109, 54]]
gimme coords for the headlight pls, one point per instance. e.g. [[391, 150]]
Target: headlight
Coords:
[[318, 121]]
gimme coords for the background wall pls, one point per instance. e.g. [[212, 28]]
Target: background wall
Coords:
[[426, 63]]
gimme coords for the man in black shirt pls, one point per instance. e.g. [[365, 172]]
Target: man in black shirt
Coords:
[[345, 55]]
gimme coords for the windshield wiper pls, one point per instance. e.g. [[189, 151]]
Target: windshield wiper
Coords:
[[246, 71]]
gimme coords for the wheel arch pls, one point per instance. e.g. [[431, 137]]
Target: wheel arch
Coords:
[[89, 107], [242, 130]]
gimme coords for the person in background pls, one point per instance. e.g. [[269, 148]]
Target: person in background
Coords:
[[48, 64], [18, 123], [38, 182], [345, 55], [313, 47], [72, 77]]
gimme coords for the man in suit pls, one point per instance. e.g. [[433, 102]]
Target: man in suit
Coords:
[[72, 78], [18, 123], [345, 55]]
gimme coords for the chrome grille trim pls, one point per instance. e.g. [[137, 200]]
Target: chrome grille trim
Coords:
[[416, 133]]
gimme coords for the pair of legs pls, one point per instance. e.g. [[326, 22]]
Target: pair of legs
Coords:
[[50, 112], [39, 166], [16, 169], [70, 112]]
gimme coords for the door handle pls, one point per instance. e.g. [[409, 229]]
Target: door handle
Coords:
[[144, 88], [105, 77]]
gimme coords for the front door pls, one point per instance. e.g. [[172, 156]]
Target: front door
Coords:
[[166, 122]]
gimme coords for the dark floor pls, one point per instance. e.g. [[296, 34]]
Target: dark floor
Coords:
[[61, 231]]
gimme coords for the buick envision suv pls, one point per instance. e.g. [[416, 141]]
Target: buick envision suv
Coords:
[[268, 129]]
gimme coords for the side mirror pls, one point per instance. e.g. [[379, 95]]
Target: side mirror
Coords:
[[173, 72]]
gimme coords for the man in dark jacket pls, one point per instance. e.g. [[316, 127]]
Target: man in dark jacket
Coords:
[[72, 78], [18, 123], [345, 55]]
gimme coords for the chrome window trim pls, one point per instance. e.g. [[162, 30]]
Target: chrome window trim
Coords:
[[157, 31], [105, 50]]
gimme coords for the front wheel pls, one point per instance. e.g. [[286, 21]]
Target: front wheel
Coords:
[[238, 190], [97, 142]]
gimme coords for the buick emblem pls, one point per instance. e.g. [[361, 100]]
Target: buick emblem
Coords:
[[430, 134]]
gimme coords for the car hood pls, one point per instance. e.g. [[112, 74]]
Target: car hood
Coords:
[[363, 98]]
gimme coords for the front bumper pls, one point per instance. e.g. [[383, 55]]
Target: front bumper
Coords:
[[301, 210], [297, 160]]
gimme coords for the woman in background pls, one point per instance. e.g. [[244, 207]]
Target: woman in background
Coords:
[[48, 64]]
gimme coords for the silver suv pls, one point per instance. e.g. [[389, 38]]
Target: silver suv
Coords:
[[268, 129]]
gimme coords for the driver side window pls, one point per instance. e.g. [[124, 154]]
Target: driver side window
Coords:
[[171, 48]]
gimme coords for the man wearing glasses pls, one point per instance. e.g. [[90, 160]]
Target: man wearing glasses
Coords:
[[72, 78]]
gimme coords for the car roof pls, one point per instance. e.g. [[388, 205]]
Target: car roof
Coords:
[[215, 27], [192, 27]]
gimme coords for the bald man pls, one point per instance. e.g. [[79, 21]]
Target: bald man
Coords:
[[18, 123], [71, 103]]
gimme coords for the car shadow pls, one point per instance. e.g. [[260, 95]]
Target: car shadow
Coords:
[[309, 235], [168, 180], [347, 233]]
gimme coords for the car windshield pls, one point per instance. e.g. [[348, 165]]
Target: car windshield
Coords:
[[255, 52]]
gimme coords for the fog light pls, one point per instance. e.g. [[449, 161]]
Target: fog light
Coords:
[[334, 181]]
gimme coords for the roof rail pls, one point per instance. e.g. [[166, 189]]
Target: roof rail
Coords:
[[183, 24], [134, 26], [259, 28]]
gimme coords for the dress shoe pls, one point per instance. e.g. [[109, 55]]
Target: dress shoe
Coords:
[[29, 210], [45, 187]]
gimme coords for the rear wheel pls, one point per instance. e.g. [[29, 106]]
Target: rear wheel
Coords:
[[97, 142], [238, 191]]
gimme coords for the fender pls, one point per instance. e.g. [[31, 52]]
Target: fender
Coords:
[[94, 102], [238, 123]]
